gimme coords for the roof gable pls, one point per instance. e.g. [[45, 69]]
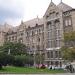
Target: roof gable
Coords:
[[51, 7], [64, 7]]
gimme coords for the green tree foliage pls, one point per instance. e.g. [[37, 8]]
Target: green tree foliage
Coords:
[[15, 54], [6, 59], [70, 38], [68, 53], [23, 60], [39, 58], [15, 48]]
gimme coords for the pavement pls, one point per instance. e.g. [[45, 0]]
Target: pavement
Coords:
[[42, 74]]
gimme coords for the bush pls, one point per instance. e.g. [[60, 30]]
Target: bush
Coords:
[[0, 66], [19, 61], [3, 59], [10, 59], [6, 59], [29, 60], [23, 60]]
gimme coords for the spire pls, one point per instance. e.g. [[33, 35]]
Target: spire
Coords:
[[61, 1], [21, 21], [37, 19], [37, 16], [51, 0]]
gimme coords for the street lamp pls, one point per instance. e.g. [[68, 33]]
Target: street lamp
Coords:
[[9, 51], [34, 59]]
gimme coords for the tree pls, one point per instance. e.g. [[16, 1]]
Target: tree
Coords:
[[68, 53], [15, 54], [68, 50], [15, 48], [70, 38]]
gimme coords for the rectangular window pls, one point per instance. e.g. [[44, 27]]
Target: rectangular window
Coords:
[[49, 26], [56, 54], [57, 25], [69, 22], [66, 22], [49, 35], [58, 32], [60, 54], [58, 43], [48, 54], [49, 44], [51, 54]]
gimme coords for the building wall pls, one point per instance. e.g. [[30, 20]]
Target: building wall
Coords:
[[2, 38], [53, 34], [73, 19], [35, 38]]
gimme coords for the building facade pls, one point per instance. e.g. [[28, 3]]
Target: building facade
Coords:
[[45, 35]]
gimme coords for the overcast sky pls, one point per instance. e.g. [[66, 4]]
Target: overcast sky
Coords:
[[13, 11]]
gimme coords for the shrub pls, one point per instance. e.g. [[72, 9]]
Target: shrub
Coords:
[[6, 59], [19, 61], [23, 60], [3, 59], [10, 59], [0, 66]]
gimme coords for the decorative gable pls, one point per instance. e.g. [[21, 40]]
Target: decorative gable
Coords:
[[52, 9]]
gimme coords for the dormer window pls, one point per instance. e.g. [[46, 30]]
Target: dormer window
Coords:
[[28, 26], [47, 16], [57, 20], [36, 24], [57, 14]]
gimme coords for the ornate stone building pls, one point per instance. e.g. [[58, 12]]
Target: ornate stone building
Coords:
[[45, 35], [57, 20]]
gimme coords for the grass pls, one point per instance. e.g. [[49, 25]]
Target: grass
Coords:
[[22, 70]]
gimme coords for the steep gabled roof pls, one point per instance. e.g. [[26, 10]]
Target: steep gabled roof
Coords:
[[51, 5], [64, 7], [5, 27], [33, 22]]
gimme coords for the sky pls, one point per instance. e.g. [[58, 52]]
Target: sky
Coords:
[[13, 11]]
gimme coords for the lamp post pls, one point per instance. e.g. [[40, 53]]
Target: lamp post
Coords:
[[34, 59], [9, 51]]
